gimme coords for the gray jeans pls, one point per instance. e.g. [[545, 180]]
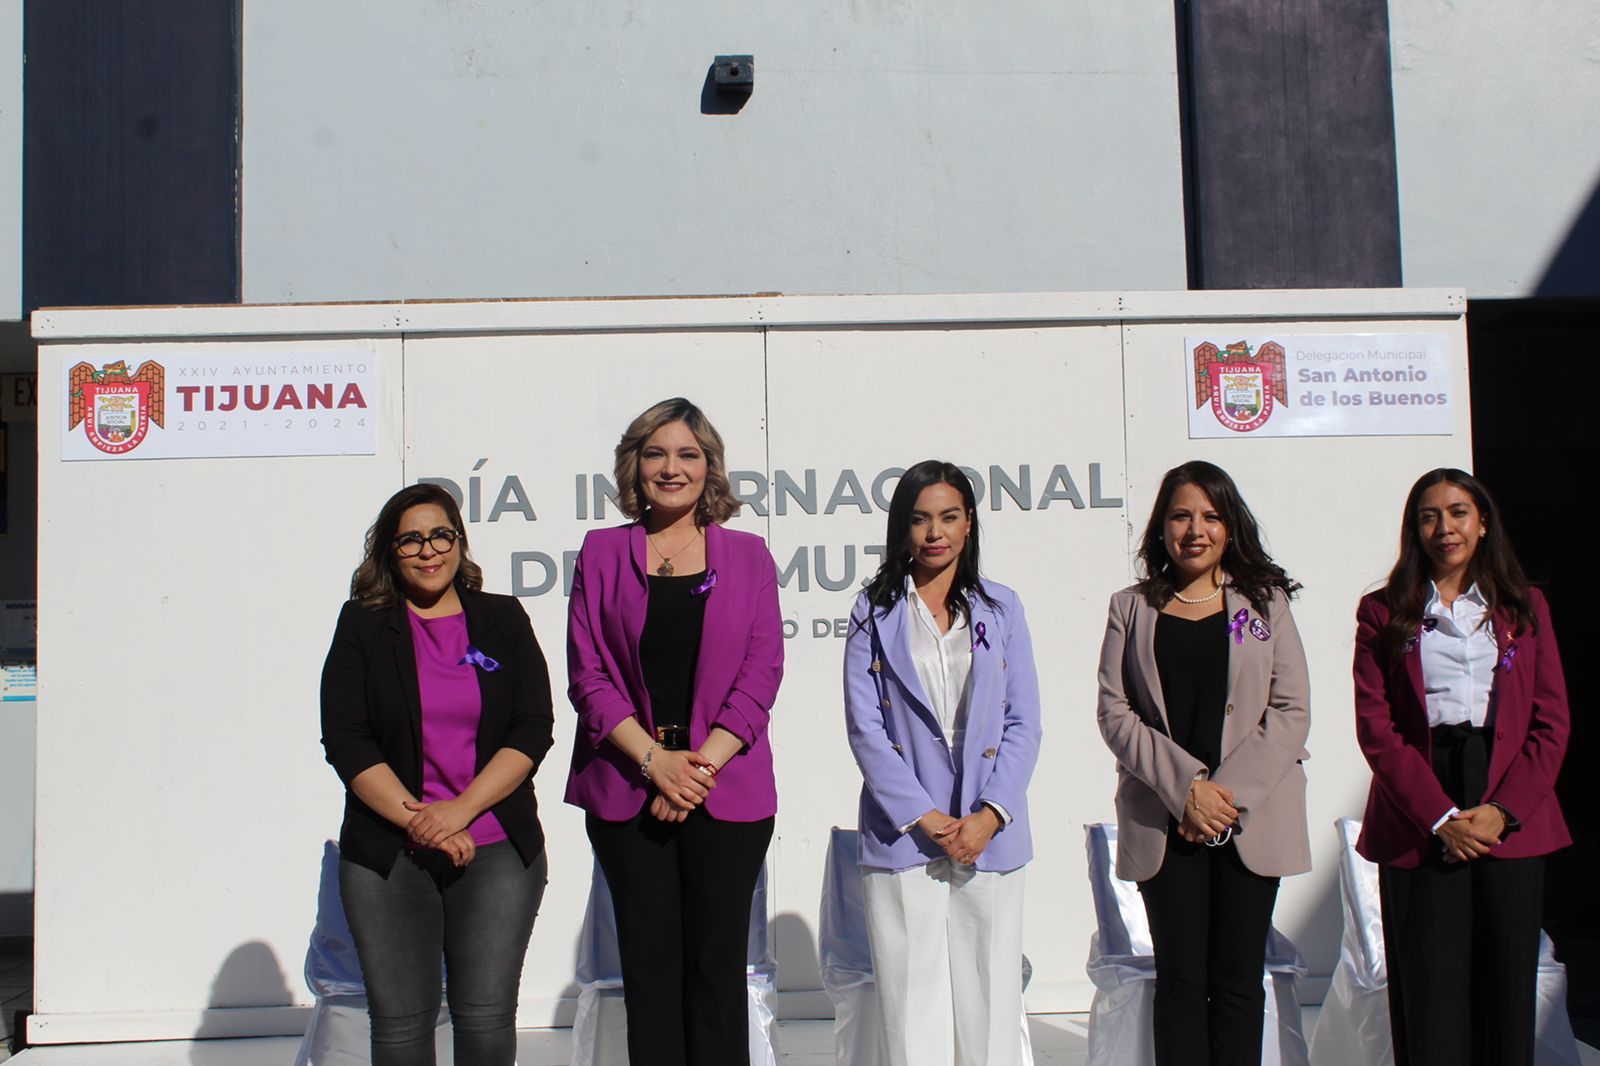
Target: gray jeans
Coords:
[[480, 918]]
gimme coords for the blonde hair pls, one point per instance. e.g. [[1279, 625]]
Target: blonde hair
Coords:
[[717, 502]]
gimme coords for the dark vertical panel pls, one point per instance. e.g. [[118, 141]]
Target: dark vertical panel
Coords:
[[130, 152], [1292, 139], [1533, 444]]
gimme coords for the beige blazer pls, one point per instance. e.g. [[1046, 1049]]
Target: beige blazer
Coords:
[[1263, 737]]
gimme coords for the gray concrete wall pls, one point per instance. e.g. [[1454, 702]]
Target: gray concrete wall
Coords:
[[1497, 118], [461, 148], [10, 159]]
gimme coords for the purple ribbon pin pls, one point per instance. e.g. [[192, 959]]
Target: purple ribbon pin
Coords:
[[1259, 630], [1429, 624], [1509, 657], [1236, 627], [979, 636], [475, 657], [705, 586]]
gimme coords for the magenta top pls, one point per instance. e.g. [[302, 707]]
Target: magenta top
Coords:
[[451, 707]]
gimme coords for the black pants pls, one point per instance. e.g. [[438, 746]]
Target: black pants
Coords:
[[479, 917], [1209, 918], [682, 894], [1462, 939]]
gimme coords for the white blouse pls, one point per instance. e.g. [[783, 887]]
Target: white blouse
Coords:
[[1458, 659], [943, 662]]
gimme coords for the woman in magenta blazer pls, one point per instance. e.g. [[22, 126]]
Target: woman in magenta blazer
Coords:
[[674, 653], [1461, 709]]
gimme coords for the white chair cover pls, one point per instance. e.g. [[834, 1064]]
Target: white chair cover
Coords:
[[600, 1027], [339, 1033], [1123, 968], [1353, 1026], [847, 960]]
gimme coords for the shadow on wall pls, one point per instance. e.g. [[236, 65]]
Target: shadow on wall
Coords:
[[250, 976], [1575, 268], [794, 944]]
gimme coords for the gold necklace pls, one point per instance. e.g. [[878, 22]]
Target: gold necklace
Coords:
[[666, 568]]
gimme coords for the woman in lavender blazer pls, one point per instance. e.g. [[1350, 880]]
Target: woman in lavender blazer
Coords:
[[674, 653], [942, 710]]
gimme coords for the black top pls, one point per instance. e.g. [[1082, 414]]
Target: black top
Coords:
[[372, 713], [1192, 659], [669, 646]]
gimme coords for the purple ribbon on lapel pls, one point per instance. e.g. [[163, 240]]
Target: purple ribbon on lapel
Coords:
[[1236, 627], [705, 586], [476, 658], [979, 636], [1509, 657], [1429, 624]]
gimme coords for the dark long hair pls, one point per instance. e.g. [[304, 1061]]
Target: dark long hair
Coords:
[[1493, 567], [1249, 568], [376, 582], [888, 585]]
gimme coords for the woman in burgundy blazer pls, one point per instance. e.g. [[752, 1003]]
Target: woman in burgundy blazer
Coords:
[[674, 653], [1462, 805]]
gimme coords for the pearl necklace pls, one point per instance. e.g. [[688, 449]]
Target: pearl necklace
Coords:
[[1181, 598]]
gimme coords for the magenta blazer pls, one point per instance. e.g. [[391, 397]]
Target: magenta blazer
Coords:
[[1528, 715], [735, 680]]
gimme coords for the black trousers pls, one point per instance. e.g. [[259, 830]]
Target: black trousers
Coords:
[[1209, 917], [1461, 939], [682, 895]]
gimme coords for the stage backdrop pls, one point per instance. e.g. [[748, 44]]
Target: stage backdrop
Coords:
[[185, 603]]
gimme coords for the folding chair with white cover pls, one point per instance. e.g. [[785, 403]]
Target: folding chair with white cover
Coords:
[[847, 961], [1122, 966], [600, 1028], [1353, 1026], [339, 1033]]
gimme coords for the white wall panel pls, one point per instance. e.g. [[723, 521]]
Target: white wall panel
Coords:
[[185, 606], [498, 148]]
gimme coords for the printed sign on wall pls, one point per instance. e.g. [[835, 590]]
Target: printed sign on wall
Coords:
[[1365, 384], [186, 405]]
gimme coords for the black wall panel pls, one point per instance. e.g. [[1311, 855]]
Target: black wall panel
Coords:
[[130, 152], [1289, 144]]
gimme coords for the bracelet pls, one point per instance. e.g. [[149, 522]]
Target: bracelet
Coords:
[[644, 767]]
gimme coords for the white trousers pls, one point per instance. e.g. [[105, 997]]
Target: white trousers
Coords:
[[946, 946]]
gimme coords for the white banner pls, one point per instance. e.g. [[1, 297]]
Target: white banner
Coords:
[[1344, 385], [183, 404]]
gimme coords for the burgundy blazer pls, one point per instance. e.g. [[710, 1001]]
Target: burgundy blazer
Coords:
[[735, 678], [1529, 721]]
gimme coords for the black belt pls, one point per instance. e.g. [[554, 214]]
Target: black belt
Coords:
[[1461, 762]]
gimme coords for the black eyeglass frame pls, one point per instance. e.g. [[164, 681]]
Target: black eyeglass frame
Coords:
[[416, 540]]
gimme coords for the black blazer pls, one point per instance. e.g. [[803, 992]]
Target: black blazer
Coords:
[[372, 713]]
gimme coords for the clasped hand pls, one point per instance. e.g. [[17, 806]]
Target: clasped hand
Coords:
[[443, 825], [1208, 812], [1469, 834], [963, 839], [682, 779]]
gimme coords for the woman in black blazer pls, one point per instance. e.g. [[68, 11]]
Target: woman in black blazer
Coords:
[[435, 714]]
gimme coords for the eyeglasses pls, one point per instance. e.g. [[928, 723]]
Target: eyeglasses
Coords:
[[409, 545]]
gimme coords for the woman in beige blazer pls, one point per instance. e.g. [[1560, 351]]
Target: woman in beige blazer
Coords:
[[1204, 701]]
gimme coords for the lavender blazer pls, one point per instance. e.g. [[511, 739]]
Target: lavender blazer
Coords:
[[735, 679], [906, 765], [1264, 731], [1530, 721]]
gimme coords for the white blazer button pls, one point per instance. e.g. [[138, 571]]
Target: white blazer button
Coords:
[[988, 753], [1229, 710], [877, 666], [886, 704]]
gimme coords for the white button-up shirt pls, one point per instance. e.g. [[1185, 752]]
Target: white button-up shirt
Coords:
[[1458, 659], [943, 662]]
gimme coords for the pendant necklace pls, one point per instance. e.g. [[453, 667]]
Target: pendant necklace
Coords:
[[666, 568]]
